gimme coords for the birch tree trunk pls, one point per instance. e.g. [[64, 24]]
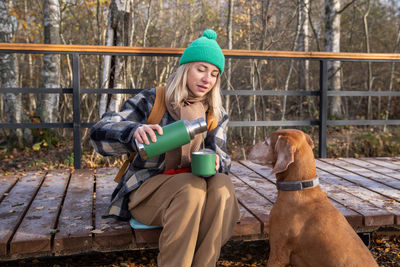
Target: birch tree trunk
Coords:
[[332, 44], [304, 45], [51, 62], [367, 45], [146, 28], [229, 63], [392, 69], [12, 102], [119, 31], [291, 66]]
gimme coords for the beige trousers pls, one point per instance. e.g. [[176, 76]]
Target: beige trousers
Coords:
[[198, 216]]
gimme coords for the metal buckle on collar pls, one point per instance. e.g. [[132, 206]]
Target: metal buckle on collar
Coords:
[[297, 185]]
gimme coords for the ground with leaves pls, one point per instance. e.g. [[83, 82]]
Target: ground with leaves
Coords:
[[238, 253]]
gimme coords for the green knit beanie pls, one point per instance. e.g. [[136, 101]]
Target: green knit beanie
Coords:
[[205, 49]]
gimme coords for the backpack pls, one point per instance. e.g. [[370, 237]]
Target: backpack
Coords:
[[156, 114]]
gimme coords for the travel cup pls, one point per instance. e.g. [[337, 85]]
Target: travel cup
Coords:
[[203, 163]]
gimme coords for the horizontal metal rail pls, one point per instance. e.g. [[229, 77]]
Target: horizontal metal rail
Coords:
[[323, 57]]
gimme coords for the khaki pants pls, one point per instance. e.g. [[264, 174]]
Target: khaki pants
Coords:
[[198, 216]]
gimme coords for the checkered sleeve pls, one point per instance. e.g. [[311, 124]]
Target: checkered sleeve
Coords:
[[112, 135], [216, 140]]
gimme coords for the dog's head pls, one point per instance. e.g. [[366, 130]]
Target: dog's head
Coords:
[[279, 149]]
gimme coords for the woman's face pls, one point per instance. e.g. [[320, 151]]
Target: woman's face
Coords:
[[201, 78]]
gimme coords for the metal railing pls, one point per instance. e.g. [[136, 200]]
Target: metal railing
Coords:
[[323, 57]]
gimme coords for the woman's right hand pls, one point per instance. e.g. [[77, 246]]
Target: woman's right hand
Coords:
[[140, 133]]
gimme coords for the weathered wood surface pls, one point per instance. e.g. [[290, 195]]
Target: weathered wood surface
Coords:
[[60, 212]]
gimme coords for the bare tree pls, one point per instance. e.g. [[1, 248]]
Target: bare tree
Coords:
[[367, 45], [294, 48], [48, 109], [12, 102], [332, 44], [119, 31], [229, 63], [304, 44], [146, 29], [395, 50]]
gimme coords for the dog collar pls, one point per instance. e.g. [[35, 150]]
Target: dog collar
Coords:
[[297, 185]]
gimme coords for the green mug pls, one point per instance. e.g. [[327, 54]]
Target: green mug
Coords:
[[203, 163]]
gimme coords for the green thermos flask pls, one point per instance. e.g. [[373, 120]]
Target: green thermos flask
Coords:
[[174, 135]]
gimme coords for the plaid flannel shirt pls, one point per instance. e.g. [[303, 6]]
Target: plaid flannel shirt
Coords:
[[113, 135]]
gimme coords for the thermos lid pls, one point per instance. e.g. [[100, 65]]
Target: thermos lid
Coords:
[[195, 127]]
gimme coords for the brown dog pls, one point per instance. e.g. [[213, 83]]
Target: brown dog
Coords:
[[305, 228]]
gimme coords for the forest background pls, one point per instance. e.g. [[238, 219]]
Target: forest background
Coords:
[[370, 26]]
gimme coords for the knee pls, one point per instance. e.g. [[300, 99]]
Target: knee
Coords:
[[220, 185], [191, 188]]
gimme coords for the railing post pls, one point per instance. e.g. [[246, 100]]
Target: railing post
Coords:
[[323, 107], [76, 102]]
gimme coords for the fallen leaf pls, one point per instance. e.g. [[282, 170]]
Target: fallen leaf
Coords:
[[39, 208], [97, 231]]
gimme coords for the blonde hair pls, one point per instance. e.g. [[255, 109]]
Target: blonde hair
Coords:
[[177, 91]]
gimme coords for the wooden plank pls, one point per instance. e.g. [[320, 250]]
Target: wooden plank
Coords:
[[359, 180], [75, 222], [262, 184], [364, 194], [388, 163], [370, 174], [392, 160], [14, 205], [354, 218], [248, 225], [254, 202], [375, 168], [35, 232], [112, 234], [372, 215], [6, 183]]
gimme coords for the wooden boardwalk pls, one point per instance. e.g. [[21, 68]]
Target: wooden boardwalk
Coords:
[[60, 213]]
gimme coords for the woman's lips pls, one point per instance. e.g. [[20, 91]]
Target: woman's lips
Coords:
[[203, 88]]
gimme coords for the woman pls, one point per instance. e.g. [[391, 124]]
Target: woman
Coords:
[[197, 214]]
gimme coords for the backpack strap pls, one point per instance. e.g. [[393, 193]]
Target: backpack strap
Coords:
[[156, 114], [211, 122], [159, 108]]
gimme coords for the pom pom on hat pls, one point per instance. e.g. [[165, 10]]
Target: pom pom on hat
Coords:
[[210, 34], [205, 49]]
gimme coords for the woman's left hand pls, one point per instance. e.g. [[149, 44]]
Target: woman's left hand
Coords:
[[217, 163]]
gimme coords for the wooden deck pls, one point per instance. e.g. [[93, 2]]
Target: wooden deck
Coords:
[[59, 213]]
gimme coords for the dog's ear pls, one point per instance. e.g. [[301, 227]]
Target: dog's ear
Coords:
[[309, 140], [284, 150]]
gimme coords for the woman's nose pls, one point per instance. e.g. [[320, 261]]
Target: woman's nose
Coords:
[[206, 77]]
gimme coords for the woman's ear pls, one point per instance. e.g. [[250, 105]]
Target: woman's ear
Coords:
[[284, 151]]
